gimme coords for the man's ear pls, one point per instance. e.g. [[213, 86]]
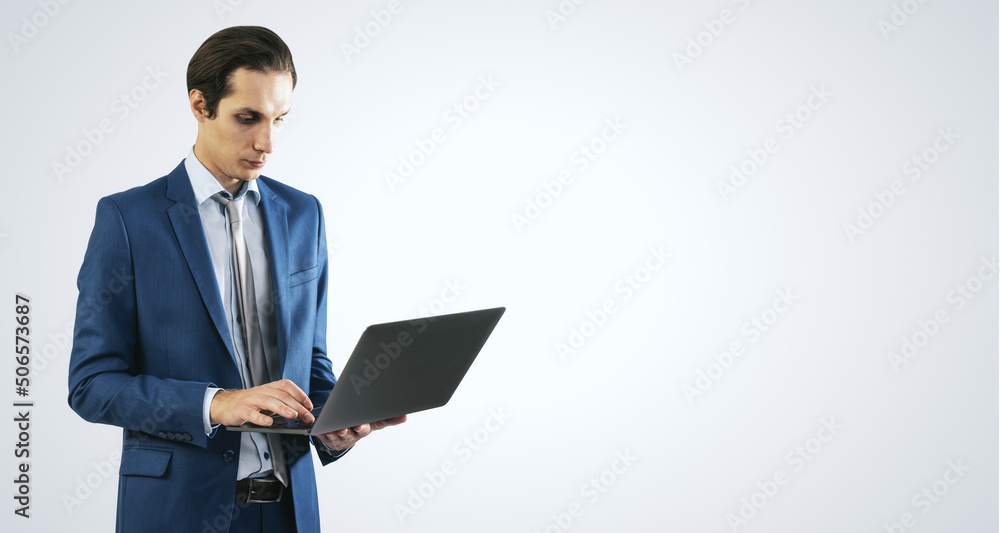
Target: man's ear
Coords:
[[199, 107]]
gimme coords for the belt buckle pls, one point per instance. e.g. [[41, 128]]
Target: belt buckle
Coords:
[[263, 483]]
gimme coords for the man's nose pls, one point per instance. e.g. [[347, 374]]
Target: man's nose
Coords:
[[264, 138]]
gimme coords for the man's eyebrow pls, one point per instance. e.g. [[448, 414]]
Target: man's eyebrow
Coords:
[[254, 112]]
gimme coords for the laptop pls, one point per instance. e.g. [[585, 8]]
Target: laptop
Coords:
[[397, 368]]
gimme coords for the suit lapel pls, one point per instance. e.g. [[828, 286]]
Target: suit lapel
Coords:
[[187, 227], [274, 211]]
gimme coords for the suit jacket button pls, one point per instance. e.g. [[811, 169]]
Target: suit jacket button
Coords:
[[187, 436], [171, 436], [162, 435], [228, 456]]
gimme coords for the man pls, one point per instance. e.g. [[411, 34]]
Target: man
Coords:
[[223, 319]]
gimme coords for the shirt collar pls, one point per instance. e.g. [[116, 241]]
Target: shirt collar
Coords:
[[205, 185]]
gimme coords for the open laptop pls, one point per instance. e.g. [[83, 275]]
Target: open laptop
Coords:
[[397, 368]]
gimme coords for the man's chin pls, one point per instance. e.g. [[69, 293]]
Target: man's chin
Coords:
[[249, 175], [242, 177]]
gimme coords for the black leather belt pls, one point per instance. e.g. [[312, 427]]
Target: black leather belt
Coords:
[[262, 490]]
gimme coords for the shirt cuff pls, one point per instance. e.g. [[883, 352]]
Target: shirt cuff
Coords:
[[337, 454], [206, 410]]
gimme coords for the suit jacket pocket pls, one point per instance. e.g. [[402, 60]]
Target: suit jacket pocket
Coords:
[[147, 462], [303, 276]]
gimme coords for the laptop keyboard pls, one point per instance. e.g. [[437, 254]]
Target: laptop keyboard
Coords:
[[279, 421]]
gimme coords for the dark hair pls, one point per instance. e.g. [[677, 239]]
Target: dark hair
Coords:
[[252, 47]]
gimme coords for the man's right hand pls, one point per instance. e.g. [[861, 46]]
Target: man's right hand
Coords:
[[234, 407]]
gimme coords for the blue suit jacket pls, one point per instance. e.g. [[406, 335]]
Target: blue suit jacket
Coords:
[[151, 335]]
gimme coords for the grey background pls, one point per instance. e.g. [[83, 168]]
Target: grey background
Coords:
[[394, 252]]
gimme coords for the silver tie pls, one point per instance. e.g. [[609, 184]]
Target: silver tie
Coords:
[[256, 358]]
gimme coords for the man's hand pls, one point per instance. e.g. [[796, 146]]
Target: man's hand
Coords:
[[345, 438], [234, 407]]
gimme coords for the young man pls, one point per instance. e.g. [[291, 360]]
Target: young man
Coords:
[[222, 319]]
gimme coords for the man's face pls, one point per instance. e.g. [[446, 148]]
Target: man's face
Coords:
[[235, 144]]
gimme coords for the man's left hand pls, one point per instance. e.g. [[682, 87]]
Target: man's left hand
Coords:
[[345, 438]]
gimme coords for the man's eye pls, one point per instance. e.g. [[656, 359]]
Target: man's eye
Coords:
[[279, 120], [245, 119]]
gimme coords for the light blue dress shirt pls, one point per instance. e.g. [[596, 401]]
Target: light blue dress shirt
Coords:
[[255, 456]]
